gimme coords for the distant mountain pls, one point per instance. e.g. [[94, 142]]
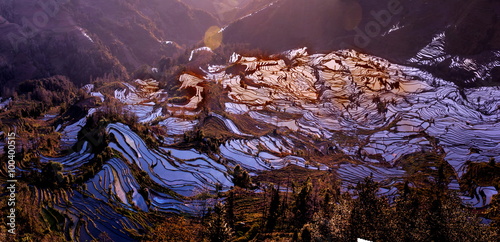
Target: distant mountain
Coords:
[[90, 38], [227, 11], [456, 40], [399, 30]]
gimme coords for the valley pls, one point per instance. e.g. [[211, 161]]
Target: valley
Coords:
[[343, 113], [250, 120]]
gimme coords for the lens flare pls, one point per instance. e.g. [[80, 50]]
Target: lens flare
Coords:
[[213, 37]]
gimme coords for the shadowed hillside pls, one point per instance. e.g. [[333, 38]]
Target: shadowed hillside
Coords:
[[90, 38], [227, 11]]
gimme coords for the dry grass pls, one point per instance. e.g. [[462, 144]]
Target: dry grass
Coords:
[[289, 174]]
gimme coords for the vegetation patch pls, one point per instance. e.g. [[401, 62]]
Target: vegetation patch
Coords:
[[481, 174]]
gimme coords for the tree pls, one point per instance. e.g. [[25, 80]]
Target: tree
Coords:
[[53, 176], [492, 161], [494, 213], [369, 213], [301, 210], [410, 224], [337, 226], [305, 234], [230, 217], [241, 177], [274, 210], [448, 220], [218, 228]]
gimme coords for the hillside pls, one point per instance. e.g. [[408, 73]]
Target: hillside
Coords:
[[227, 11], [298, 128], [249, 120], [88, 38], [468, 30]]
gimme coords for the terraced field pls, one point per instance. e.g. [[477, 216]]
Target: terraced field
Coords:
[[344, 112]]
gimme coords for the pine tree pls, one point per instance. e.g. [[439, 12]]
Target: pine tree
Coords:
[[274, 210], [305, 234], [369, 214], [218, 228], [301, 209], [230, 217]]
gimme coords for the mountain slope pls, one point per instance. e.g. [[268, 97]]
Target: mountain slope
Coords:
[[89, 38], [396, 30], [133, 155], [227, 11]]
